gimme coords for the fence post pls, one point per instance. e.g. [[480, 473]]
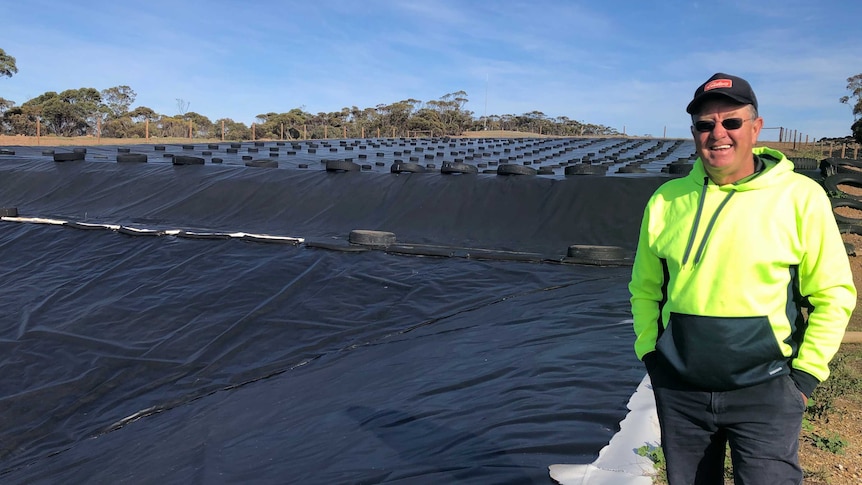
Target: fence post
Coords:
[[98, 131], [252, 132], [222, 130], [282, 130], [38, 129]]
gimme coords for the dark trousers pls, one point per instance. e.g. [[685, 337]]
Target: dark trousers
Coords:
[[760, 423]]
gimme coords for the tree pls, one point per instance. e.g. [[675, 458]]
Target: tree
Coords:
[[182, 106], [7, 64], [118, 100], [232, 130], [203, 127], [857, 130], [854, 85]]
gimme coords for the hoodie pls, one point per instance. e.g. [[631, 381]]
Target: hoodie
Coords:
[[737, 284]]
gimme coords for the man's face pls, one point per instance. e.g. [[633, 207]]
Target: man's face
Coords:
[[726, 153]]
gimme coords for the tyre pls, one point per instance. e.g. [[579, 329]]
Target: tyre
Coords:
[[850, 229], [583, 169], [854, 204], [680, 168], [515, 169], [187, 160], [804, 163], [406, 167], [263, 163], [631, 169], [123, 150], [131, 157], [341, 166], [598, 255], [832, 184], [371, 238], [455, 167], [8, 212], [844, 165], [68, 157]]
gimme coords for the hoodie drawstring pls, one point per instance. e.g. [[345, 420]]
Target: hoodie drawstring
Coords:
[[708, 227]]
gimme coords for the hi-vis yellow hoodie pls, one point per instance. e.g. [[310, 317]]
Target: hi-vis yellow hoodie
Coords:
[[722, 274]]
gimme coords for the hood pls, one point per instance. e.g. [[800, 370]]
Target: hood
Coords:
[[777, 165]]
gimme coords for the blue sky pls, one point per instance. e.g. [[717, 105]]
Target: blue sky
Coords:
[[631, 65]]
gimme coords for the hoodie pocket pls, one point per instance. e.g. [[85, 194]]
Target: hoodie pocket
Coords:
[[722, 353]]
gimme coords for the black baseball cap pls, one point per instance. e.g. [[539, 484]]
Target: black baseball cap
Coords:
[[721, 84]]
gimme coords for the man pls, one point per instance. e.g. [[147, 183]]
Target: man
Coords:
[[728, 257]]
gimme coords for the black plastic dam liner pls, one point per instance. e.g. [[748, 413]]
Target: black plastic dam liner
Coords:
[[178, 360]]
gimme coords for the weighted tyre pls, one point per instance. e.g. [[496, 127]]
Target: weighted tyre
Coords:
[[131, 157], [583, 169], [187, 160], [680, 168], [68, 157], [515, 169], [631, 169], [406, 167], [458, 167], [341, 166], [602, 253], [263, 163], [371, 238]]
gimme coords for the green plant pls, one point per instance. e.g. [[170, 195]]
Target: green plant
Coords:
[[833, 442], [656, 455]]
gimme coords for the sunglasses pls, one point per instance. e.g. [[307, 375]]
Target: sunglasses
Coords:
[[705, 126]]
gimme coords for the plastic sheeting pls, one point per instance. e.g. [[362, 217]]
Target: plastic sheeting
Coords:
[[140, 359]]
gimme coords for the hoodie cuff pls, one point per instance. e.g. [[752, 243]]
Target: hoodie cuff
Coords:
[[649, 361], [804, 381]]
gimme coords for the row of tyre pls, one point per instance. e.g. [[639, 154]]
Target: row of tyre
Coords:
[[843, 183]]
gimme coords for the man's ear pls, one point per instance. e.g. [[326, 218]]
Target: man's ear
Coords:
[[758, 125]]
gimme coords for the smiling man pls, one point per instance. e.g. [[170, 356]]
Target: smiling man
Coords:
[[728, 258]]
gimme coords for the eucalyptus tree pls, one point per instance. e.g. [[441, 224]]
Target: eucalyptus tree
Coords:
[[854, 85], [7, 64]]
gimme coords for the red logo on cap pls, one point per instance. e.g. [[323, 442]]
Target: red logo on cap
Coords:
[[718, 83]]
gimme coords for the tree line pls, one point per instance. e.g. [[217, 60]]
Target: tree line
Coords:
[[109, 113]]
